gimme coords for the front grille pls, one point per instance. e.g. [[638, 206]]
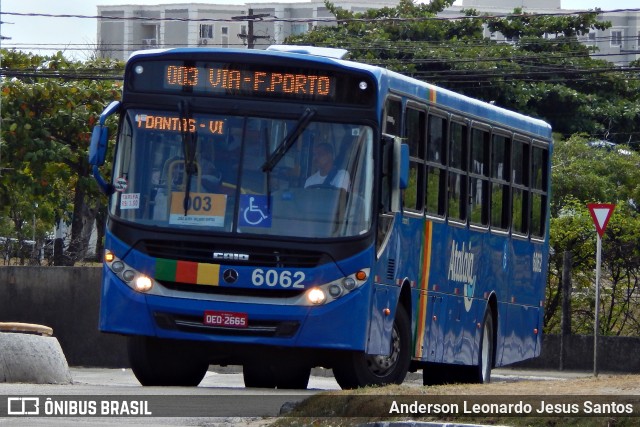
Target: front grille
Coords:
[[256, 328], [227, 290], [258, 256]]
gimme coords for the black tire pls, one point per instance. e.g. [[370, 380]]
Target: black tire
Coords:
[[276, 375], [482, 371], [157, 362], [258, 375], [292, 377], [440, 373], [356, 369]]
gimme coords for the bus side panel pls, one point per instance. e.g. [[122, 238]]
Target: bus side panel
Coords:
[[121, 309], [399, 262], [523, 304], [498, 248], [518, 344], [381, 326], [466, 285]]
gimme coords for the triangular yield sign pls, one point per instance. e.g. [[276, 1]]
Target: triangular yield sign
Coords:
[[600, 213]]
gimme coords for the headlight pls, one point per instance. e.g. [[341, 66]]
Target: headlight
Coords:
[[117, 267], [143, 283], [316, 296], [130, 276], [331, 291]]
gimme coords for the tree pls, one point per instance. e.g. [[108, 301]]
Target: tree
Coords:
[[49, 105], [544, 71], [585, 172]]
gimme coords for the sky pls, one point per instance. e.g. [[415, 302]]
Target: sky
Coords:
[[78, 36]]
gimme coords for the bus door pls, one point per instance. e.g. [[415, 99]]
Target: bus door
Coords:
[[436, 325]]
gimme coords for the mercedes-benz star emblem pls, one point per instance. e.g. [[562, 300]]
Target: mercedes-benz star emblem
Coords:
[[230, 275]]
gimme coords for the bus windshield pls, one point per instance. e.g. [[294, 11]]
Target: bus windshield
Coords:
[[321, 187]]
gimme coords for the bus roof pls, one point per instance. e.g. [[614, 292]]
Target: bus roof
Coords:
[[388, 80]]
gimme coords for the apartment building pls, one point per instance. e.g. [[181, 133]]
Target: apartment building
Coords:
[[124, 29]]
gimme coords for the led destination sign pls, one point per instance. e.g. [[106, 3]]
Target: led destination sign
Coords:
[[251, 80], [248, 81]]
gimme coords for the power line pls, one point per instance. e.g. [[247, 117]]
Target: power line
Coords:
[[325, 19]]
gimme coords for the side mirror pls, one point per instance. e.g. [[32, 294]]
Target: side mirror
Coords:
[[98, 147]]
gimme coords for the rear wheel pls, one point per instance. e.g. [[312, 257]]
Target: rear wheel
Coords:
[[278, 374], [157, 362], [358, 369], [439, 373], [482, 371]]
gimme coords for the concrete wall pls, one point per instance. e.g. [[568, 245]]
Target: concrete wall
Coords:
[[67, 299]]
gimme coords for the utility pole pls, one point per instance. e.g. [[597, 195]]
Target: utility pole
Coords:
[[1, 38], [250, 38]]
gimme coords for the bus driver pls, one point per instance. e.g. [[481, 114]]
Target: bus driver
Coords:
[[326, 173]]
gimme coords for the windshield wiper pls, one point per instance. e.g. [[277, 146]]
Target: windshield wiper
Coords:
[[288, 140], [189, 147]]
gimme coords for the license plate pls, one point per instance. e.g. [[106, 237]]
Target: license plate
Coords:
[[226, 319]]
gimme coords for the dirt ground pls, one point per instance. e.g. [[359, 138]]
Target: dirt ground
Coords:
[[603, 384]]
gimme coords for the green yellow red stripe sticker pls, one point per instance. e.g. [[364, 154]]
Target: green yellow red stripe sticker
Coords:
[[189, 272], [424, 286]]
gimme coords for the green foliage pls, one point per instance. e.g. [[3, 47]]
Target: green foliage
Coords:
[[553, 78], [46, 130], [584, 173]]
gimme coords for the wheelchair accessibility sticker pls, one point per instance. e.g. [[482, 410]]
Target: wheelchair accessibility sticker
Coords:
[[254, 211]]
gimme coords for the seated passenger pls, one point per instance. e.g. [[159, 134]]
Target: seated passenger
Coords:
[[327, 174]]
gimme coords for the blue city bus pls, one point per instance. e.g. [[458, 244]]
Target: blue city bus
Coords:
[[286, 209]]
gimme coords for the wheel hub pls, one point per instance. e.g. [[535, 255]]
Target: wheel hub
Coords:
[[381, 365]]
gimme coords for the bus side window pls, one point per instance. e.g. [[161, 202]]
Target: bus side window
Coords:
[[415, 128], [436, 165], [520, 192], [500, 148], [479, 178], [539, 179], [457, 190], [392, 126]]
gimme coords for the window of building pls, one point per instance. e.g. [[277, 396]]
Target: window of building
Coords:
[[297, 29], [224, 31], [616, 37], [206, 31]]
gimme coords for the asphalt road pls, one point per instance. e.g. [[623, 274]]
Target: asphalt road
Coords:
[[220, 400]]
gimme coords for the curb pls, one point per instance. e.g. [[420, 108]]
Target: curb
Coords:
[[30, 354]]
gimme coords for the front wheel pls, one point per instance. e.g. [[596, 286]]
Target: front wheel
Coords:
[[358, 369], [157, 362]]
